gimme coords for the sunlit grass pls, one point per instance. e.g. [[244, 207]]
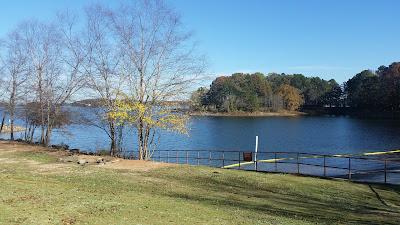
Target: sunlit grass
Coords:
[[185, 195]]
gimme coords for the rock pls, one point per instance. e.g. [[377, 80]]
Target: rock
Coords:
[[64, 147], [100, 160], [74, 151], [60, 147], [82, 161]]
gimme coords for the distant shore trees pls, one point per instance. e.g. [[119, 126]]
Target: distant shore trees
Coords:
[[257, 92], [377, 91]]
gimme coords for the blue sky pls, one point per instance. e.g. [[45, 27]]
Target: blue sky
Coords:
[[326, 38]]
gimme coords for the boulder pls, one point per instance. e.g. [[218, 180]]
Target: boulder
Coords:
[[64, 147], [60, 147], [82, 161], [74, 151]]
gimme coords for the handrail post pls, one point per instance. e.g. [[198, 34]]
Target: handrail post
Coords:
[[298, 163], [255, 153], [256, 161], [324, 165], [239, 160], [223, 159], [385, 171], [349, 168]]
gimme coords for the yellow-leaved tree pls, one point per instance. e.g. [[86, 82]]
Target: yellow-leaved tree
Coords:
[[148, 119], [160, 66]]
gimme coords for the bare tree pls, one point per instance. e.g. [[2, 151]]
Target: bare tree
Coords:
[[104, 77], [161, 64], [2, 84], [55, 55], [16, 70]]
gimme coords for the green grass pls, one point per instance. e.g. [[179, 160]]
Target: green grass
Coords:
[[40, 157], [184, 195]]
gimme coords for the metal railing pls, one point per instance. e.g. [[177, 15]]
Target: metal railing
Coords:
[[363, 169]]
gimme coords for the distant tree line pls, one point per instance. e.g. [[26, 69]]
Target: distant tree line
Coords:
[[369, 90], [274, 92], [375, 90]]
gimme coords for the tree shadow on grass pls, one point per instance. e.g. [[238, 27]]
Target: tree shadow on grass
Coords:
[[275, 200]]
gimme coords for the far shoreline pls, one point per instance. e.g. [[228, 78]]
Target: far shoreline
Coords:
[[249, 114]]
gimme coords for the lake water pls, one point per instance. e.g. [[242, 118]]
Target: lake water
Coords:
[[317, 134]]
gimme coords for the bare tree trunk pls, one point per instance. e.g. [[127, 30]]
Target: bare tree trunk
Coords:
[[48, 135], [2, 122], [141, 140], [113, 149], [32, 133], [12, 105], [12, 129]]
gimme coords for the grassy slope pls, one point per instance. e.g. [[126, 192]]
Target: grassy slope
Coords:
[[32, 194]]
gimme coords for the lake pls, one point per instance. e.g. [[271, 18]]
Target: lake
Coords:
[[310, 134]]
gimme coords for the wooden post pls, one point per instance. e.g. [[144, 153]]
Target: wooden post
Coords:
[[349, 168]]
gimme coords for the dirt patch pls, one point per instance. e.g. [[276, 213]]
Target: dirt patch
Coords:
[[9, 146], [66, 159], [136, 165]]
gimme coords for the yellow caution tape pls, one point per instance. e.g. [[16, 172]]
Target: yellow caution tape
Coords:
[[310, 157]]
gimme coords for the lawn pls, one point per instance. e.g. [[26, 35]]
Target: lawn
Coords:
[[36, 189]]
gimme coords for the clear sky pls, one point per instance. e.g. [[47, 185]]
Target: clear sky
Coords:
[[327, 38]]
